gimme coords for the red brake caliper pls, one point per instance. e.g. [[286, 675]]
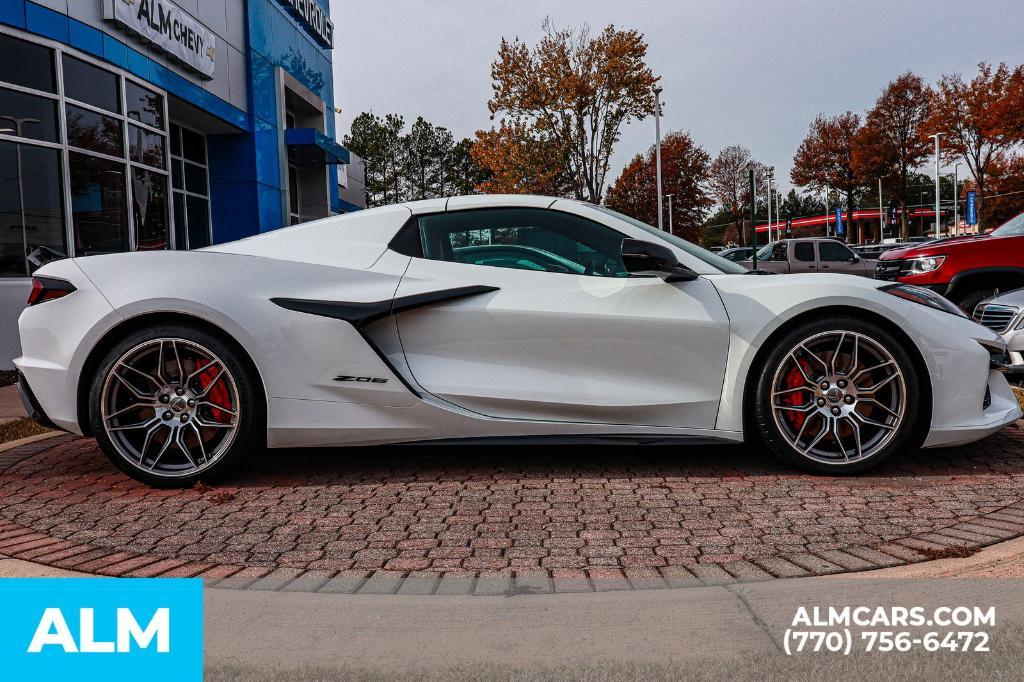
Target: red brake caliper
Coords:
[[218, 395], [794, 379]]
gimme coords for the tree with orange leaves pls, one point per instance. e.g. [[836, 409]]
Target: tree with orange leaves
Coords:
[[892, 143], [517, 161], [981, 119], [685, 170], [825, 158], [570, 96]]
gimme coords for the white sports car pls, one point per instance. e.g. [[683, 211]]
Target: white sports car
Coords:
[[492, 317]]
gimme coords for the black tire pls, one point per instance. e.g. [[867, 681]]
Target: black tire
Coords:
[[249, 434], [769, 422], [971, 299]]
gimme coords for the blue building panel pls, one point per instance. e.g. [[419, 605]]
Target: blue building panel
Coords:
[[12, 13], [86, 38], [46, 22]]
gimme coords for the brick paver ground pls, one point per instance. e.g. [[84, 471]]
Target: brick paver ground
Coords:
[[504, 520]]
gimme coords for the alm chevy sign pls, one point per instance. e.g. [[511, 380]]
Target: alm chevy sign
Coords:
[[169, 28]]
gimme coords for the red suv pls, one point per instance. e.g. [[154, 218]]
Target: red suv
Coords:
[[965, 270]]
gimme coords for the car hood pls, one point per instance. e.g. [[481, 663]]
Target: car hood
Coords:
[[936, 248], [1014, 298]]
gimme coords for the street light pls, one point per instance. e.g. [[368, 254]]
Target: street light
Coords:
[[657, 149], [956, 200], [938, 207], [881, 214], [18, 124], [670, 212]]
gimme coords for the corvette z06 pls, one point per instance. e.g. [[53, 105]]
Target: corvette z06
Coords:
[[492, 318]]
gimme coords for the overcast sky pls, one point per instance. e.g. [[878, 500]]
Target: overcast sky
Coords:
[[754, 73]]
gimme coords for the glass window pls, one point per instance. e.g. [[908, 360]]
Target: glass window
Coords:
[[144, 105], [834, 252], [195, 179], [177, 175], [98, 205], [180, 222], [30, 116], [35, 174], [175, 140], [193, 146], [27, 64], [95, 132], [774, 251], [524, 238], [91, 84], [198, 222], [146, 147], [712, 259], [149, 200], [804, 251]]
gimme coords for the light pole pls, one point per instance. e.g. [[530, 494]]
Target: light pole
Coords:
[[18, 123], [956, 200], [881, 214], [826, 211], [778, 216], [657, 149], [938, 206], [669, 196]]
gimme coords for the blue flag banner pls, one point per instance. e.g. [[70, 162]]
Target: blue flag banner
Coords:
[[972, 208], [840, 230], [101, 629]]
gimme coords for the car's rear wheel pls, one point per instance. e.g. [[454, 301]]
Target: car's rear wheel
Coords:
[[839, 395], [174, 405]]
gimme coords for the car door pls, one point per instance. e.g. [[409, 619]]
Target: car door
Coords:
[[837, 257], [803, 257], [594, 346]]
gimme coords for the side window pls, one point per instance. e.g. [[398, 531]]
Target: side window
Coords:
[[524, 239], [779, 253], [834, 252], [804, 251]]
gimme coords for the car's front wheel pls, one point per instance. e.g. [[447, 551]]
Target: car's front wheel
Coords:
[[839, 395], [174, 405]]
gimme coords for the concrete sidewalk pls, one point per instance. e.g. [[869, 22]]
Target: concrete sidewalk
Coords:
[[280, 631], [10, 405]]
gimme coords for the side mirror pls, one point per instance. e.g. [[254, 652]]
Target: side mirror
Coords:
[[647, 258]]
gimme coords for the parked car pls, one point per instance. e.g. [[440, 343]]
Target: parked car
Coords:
[[386, 326], [811, 254], [967, 269], [737, 253], [1004, 314], [873, 251]]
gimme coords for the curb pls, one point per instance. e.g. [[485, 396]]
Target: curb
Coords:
[[28, 440]]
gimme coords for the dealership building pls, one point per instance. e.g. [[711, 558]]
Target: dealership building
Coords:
[[149, 124]]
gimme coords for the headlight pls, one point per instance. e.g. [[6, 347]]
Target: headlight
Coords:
[[917, 266], [924, 297]]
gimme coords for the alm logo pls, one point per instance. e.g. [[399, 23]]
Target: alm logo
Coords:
[[53, 630], [101, 629]]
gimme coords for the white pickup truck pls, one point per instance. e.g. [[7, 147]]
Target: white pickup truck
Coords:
[[811, 254]]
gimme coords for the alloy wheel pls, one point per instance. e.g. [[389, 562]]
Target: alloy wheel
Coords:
[[170, 407], [838, 397]]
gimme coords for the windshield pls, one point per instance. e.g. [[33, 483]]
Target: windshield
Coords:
[[712, 259], [1014, 227]]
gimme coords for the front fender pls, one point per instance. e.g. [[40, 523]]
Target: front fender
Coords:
[[759, 306]]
